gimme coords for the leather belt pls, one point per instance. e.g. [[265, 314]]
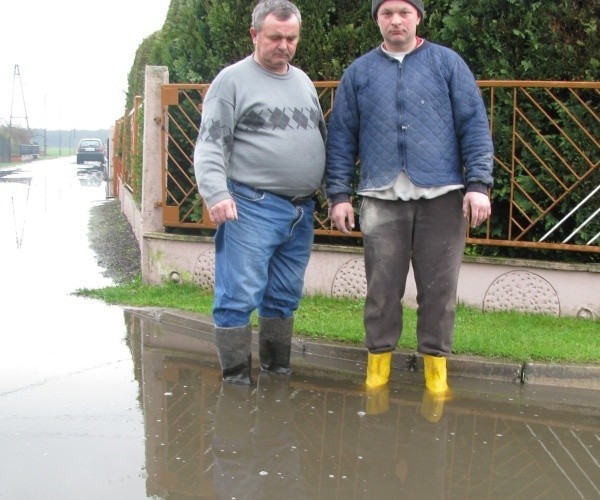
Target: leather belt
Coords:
[[297, 200]]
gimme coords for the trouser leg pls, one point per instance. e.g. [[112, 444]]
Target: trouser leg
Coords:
[[284, 291], [261, 258], [387, 237], [287, 266], [439, 242]]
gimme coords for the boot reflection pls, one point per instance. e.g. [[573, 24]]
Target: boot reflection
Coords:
[[380, 468], [377, 400], [255, 450], [232, 442], [411, 462], [276, 451], [428, 442], [432, 405]]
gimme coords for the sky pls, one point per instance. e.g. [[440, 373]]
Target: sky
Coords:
[[64, 63]]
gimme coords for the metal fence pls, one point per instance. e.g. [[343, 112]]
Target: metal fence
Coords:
[[547, 163]]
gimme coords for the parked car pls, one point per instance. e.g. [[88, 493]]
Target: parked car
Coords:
[[91, 150]]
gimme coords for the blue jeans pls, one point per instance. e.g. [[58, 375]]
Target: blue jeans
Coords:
[[260, 259]]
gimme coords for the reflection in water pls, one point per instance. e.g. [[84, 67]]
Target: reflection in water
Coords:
[[317, 434], [90, 177], [255, 448], [14, 202]]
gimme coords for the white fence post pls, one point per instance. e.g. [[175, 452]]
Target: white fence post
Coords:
[[151, 209]]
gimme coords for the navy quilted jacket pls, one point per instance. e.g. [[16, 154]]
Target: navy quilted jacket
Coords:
[[424, 116]]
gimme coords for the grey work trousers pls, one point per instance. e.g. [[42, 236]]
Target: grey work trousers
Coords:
[[430, 234]]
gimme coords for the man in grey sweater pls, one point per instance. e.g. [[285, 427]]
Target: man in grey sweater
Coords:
[[259, 158]]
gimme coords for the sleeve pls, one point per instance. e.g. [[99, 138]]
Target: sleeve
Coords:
[[342, 142], [472, 127], [214, 142]]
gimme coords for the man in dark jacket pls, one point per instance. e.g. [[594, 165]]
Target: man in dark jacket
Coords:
[[412, 113]]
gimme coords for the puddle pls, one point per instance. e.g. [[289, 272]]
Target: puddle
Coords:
[[317, 434]]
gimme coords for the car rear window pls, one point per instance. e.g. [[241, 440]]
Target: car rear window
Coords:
[[87, 144]]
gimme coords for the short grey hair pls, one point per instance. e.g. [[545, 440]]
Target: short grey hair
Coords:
[[281, 9]]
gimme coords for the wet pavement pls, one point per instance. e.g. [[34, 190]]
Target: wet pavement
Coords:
[[101, 402]]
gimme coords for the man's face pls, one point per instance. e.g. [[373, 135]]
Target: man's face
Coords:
[[275, 44], [398, 21]]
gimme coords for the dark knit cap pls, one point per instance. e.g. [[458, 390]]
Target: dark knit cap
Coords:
[[417, 4]]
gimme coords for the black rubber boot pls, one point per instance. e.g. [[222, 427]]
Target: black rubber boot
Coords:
[[233, 345], [275, 344]]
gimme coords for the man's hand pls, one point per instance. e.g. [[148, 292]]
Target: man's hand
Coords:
[[223, 211], [342, 217], [476, 208]]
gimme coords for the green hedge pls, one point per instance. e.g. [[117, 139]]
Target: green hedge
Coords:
[[500, 39]]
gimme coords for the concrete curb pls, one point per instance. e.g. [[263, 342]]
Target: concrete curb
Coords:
[[561, 375], [580, 377]]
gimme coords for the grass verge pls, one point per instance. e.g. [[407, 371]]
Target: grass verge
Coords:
[[506, 335]]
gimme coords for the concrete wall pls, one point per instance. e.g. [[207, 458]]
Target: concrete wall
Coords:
[[485, 283]]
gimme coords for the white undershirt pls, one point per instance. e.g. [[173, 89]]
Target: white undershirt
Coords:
[[403, 188]]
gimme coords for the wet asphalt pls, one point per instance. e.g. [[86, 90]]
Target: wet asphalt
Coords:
[[104, 402]]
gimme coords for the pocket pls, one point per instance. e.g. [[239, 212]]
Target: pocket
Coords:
[[241, 190], [361, 206]]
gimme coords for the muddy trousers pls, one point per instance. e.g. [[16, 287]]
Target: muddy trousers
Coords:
[[430, 235]]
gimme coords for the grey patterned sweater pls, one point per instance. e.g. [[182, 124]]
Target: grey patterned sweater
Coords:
[[262, 129]]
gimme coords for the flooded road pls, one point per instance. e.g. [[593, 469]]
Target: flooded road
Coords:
[[70, 425], [98, 402]]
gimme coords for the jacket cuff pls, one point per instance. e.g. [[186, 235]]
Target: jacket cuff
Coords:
[[478, 187], [339, 198]]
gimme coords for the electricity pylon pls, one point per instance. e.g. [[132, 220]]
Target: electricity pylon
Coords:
[[16, 74]]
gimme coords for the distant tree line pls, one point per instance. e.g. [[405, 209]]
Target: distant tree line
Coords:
[[49, 138]]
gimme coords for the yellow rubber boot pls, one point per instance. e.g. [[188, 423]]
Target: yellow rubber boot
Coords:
[[435, 373], [378, 369]]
